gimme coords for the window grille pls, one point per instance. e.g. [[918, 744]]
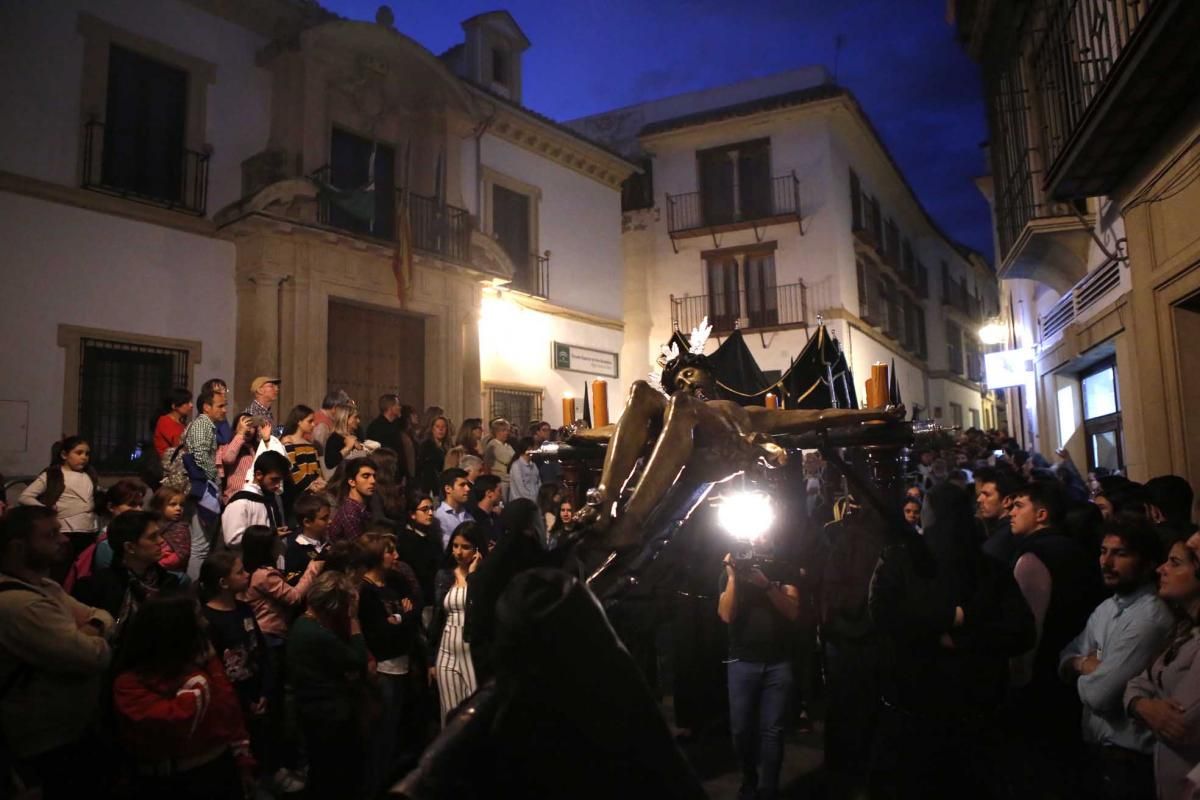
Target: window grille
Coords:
[[122, 388], [519, 406]]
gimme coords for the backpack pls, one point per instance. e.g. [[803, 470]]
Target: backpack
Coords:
[[83, 566], [174, 473]]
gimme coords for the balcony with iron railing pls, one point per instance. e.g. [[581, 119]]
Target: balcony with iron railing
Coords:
[[704, 213], [773, 308], [139, 165], [1111, 76], [532, 277], [435, 227]]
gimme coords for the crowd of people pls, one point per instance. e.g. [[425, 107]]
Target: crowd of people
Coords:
[[276, 606], [282, 604], [1026, 630]]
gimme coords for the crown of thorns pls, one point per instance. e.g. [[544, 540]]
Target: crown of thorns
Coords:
[[670, 360]]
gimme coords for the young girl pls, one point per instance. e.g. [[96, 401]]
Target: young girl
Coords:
[[275, 604], [453, 669], [177, 535], [240, 644], [388, 616], [177, 713], [68, 486], [127, 494]]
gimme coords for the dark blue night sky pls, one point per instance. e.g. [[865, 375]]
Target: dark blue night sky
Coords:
[[899, 57]]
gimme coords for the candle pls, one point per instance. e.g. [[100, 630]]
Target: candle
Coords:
[[772, 400], [568, 409], [877, 391], [599, 402]]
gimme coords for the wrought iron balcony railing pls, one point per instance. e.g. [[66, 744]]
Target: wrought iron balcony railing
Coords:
[[1075, 49], [533, 277], [138, 165], [774, 307], [699, 211], [437, 228]]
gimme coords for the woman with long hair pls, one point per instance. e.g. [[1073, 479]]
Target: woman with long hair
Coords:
[[174, 704], [327, 666], [431, 455], [419, 543], [548, 500], [1166, 697], [453, 670], [410, 424], [343, 443], [301, 452], [466, 443], [389, 616], [68, 485], [387, 504]]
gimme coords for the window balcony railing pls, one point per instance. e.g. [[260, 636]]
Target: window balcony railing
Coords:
[[534, 279], [702, 212], [1079, 43], [135, 165], [438, 228], [775, 307]]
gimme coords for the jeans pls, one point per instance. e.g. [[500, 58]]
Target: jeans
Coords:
[[758, 704], [201, 543]]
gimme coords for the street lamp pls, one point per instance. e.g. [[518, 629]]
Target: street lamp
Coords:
[[994, 332]]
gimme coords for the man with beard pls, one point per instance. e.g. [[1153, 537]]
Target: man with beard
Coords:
[[1122, 638], [993, 489], [52, 656]]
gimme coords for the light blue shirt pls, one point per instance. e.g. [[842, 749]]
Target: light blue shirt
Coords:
[[1127, 632], [448, 519]]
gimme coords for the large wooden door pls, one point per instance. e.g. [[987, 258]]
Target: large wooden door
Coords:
[[373, 352]]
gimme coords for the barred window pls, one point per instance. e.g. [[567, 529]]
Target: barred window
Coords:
[[122, 388], [518, 405]]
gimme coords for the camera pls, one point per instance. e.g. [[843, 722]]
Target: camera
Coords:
[[747, 557]]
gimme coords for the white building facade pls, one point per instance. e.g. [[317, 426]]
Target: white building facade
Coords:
[[197, 189], [769, 204]]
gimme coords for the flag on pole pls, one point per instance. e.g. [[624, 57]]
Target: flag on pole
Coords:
[[403, 255], [587, 406]]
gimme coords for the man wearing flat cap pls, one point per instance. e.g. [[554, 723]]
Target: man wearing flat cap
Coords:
[[265, 391]]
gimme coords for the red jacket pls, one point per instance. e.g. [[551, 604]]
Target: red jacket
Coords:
[[196, 713]]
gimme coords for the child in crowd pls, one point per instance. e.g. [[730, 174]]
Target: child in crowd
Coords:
[[388, 615], [239, 642], [303, 546], [177, 535], [177, 713], [68, 486], [127, 494], [327, 665]]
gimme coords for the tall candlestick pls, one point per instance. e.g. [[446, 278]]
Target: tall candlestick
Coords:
[[599, 402], [877, 391], [568, 409], [772, 400]]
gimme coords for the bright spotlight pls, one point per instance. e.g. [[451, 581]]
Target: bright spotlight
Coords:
[[993, 333], [746, 515]]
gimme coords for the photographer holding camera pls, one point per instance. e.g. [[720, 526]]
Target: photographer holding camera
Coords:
[[761, 614]]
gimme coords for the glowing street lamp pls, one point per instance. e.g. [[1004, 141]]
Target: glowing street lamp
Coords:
[[994, 333]]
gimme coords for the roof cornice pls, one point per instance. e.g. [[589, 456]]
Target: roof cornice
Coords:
[[550, 140]]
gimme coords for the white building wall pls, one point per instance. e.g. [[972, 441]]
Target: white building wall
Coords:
[[65, 265], [41, 71], [578, 222], [515, 347]]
